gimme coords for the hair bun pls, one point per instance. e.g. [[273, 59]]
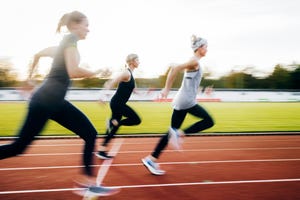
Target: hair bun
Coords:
[[197, 42], [193, 38]]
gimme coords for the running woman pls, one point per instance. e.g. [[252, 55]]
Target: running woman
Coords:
[[48, 101], [27, 88], [183, 103], [119, 108]]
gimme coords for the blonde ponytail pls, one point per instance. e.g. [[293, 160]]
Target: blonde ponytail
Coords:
[[62, 22], [68, 18]]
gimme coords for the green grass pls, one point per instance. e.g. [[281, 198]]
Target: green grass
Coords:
[[229, 117]]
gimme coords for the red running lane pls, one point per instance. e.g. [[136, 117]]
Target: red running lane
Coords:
[[235, 167]]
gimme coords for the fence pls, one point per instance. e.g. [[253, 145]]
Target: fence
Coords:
[[12, 94]]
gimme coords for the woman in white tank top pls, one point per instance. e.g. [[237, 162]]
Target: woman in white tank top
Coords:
[[184, 102]]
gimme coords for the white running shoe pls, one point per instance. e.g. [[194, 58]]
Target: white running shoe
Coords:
[[91, 191], [102, 191], [153, 167]]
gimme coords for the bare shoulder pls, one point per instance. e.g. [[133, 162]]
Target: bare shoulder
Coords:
[[189, 65], [192, 65], [124, 76], [47, 52]]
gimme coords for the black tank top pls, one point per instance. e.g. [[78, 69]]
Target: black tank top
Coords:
[[54, 88], [124, 91]]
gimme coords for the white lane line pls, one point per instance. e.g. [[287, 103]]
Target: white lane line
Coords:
[[161, 163], [48, 154], [212, 183], [159, 185], [107, 163], [184, 150]]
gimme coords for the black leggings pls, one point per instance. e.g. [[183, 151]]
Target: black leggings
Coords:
[[66, 115], [118, 111], [177, 119]]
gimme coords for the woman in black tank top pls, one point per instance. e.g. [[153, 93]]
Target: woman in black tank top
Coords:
[[119, 108], [48, 101]]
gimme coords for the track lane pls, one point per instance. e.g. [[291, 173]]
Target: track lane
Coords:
[[217, 168]]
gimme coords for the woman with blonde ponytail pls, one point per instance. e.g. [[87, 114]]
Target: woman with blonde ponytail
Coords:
[[118, 104], [184, 102], [48, 101]]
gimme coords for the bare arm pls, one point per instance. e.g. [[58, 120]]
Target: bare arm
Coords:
[[124, 76], [47, 52], [72, 64], [190, 65]]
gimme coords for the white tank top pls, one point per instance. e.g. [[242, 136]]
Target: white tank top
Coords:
[[187, 93]]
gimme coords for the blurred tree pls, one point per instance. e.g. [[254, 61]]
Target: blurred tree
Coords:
[[86, 83], [280, 78], [234, 80], [7, 76], [147, 83], [295, 78], [177, 81], [105, 73]]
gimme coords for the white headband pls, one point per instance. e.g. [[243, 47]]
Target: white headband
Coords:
[[198, 42]]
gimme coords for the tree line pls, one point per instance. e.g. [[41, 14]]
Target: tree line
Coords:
[[282, 77]]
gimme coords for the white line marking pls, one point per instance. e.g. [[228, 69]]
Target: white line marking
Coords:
[[107, 163], [162, 163], [36, 191], [50, 154], [55, 145], [184, 150], [212, 183], [159, 185]]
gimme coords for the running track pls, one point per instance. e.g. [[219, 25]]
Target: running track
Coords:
[[214, 167]]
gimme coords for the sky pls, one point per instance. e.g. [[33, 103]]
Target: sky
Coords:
[[240, 33]]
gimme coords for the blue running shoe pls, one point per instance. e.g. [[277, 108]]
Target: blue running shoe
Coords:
[[102, 191], [153, 167]]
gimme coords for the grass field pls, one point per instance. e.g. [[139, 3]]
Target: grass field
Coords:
[[229, 117]]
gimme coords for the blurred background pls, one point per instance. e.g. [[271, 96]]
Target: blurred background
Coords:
[[253, 44]]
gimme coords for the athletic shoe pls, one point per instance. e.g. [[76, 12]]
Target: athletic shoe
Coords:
[[174, 138], [103, 155], [89, 191], [153, 167], [101, 191]]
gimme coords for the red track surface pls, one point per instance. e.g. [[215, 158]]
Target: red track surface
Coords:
[[215, 167]]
